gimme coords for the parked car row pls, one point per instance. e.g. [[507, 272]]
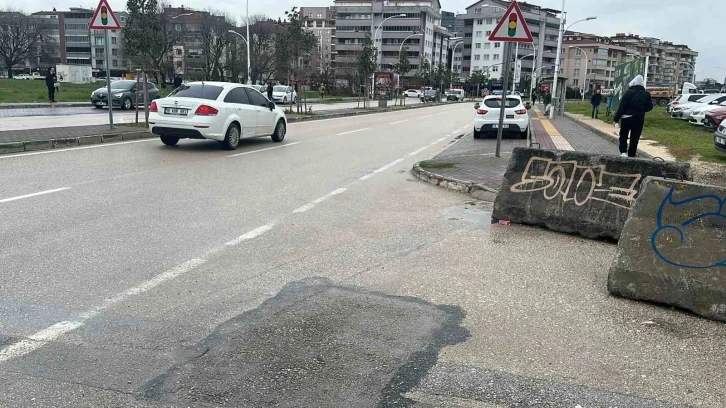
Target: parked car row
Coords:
[[707, 110]]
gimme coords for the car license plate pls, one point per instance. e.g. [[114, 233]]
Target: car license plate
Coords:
[[510, 116], [721, 141], [101, 103], [504, 126], [176, 111]]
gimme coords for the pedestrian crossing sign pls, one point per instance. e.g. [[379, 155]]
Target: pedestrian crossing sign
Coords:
[[104, 18], [512, 27]]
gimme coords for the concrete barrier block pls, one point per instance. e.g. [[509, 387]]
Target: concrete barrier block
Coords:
[[576, 192], [88, 140], [673, 248], [38, 145], [12, 147]]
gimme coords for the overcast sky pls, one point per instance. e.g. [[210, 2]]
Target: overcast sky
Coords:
[[691, 22]]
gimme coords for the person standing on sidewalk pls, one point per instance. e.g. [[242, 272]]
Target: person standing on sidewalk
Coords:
[[50, 80], [269, 91], [595, 100], [631, 115]]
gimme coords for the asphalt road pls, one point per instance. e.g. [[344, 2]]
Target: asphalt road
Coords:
[[316, 272], [35, 118]]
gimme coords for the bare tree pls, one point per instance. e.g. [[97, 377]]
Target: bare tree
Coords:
[[215, 38], [22, 38], [262, 47]]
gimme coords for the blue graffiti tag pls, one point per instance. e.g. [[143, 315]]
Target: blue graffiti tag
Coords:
[[718, 204]]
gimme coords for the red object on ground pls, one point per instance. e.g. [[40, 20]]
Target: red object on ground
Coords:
[[505, 222], [718, 115]]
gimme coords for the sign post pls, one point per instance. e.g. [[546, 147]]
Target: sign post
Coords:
[[105, 19], [511, 28]]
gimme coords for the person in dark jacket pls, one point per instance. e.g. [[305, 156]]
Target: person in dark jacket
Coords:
[[631, 115], [269, 90], [177, 81], [595, 101], [50, 79]]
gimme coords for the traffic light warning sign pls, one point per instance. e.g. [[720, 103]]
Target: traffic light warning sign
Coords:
[[512, 27], [103, 18]]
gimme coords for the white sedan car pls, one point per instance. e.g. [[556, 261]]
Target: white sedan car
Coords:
[[220, 111], [698, 116], [684, 110], [486, 116], [413, 93], [284, 94]]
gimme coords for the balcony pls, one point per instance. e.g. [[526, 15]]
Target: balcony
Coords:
[[80, 55]]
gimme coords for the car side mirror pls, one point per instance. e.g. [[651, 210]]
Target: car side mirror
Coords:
[[271, 105], [477, 105]]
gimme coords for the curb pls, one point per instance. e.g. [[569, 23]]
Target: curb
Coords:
[[373, 111], [609, 137], [478, 191], [37, 105], [66, 142]]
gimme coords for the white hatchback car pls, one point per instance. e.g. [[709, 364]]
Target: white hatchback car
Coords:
[[486, 116], [284, 94], [220, 111]]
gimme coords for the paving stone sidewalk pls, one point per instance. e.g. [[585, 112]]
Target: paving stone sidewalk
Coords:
[[475, 161], [64, 132]]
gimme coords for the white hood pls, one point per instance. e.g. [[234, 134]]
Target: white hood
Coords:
[[638, 80]]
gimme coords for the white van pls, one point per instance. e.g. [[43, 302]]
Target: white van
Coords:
[[454, 94]]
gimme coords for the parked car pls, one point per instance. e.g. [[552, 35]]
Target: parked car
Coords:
[[719, 139], [715, 117], [22, 76], [412, 93], [684, 111], [430, 95], [684, 98], [284, 94], [221, 111], [454, 94], [123, 95], [486, 116], [698, 115]]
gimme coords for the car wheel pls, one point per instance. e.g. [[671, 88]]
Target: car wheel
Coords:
[[97, 106], [126, 104], [477, 134], [169, 140], [523, 134], [231, 139], [284, 101], [280, 131]]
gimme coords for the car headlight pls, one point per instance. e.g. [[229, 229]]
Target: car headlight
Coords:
[[118, 95], [93, 94]]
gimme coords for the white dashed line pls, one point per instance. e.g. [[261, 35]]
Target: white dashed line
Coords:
[[7, 200], [442, 139], [419, 150], [351, 131], [38, 340], [250, 235], [400, 121], [388, 166], [262, 150], [312, 204], [424, 116], [73, 149]]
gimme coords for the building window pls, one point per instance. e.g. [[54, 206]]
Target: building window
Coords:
[[179, 64], [577, 62], [487, 46], [486, 57], [489, 21], [114, 51], [576, 72], [113, 40], [467, 46], [495, 68], [477, 57], [477, 45], [480, 21], [98, 41], [177, 27], [495, 57], [497, 45], [467, 35], [478, 34], [179, 52], [114, 63], [578, 51], [488, 33], [99, 63], [575, 82]]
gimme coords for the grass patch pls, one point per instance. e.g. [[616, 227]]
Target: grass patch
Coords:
[[22, 91], [436, 165], [683, 140]]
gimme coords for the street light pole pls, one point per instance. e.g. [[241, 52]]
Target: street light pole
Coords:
[[584, 79], [378, 50], [249, 74], [453, 53], [400, 50], [249, 63]]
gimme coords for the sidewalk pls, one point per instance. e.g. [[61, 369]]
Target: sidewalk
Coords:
[[474, 165], [32, 105]]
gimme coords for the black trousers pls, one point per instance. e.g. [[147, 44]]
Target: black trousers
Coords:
[[51, 94], [632, 126]]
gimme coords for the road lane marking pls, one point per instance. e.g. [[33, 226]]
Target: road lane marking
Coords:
[[424, 116], [367, 176], [351, 131], [312, 204], [38, 340], [262, 150], [400, 121], [441, 140], [72, 149], [419, 150], [388, 166], [251, 235], [7, 200]]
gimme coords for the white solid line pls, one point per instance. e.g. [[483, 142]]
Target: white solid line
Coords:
[[441, 140], [306, 207], [419, 150], [162, 277], [7, 200], [352, 131], [250, 235], [311, 205], [38, 340], [72, 149], [367, 176], [388, 166], [400, 121], [262, 150], [424, 116]]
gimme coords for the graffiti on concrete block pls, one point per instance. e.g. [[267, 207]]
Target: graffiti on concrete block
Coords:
[[578, 184], [691, 233]]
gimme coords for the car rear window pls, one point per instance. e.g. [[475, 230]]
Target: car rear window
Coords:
[[497, 103], [199, 91], [694, 98]]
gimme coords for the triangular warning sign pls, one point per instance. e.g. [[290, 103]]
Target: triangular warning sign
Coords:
[[512, 27], [104, 18]]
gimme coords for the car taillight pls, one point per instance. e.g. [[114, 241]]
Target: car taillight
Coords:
[[153, 107], [481, 111], [205, 110], [676, 103], [521, 111]]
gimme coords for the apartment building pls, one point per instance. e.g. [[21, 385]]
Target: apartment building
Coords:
[[321, 21], [77, 45], [480, 54], [356, 17], [589, 60]]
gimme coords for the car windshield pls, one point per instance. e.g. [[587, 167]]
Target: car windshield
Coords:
[[126, 85], [199, 91], [497, 102], [280, 89], [430, 92]]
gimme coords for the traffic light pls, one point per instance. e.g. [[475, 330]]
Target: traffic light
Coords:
[[104, 15], [512, 25]]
